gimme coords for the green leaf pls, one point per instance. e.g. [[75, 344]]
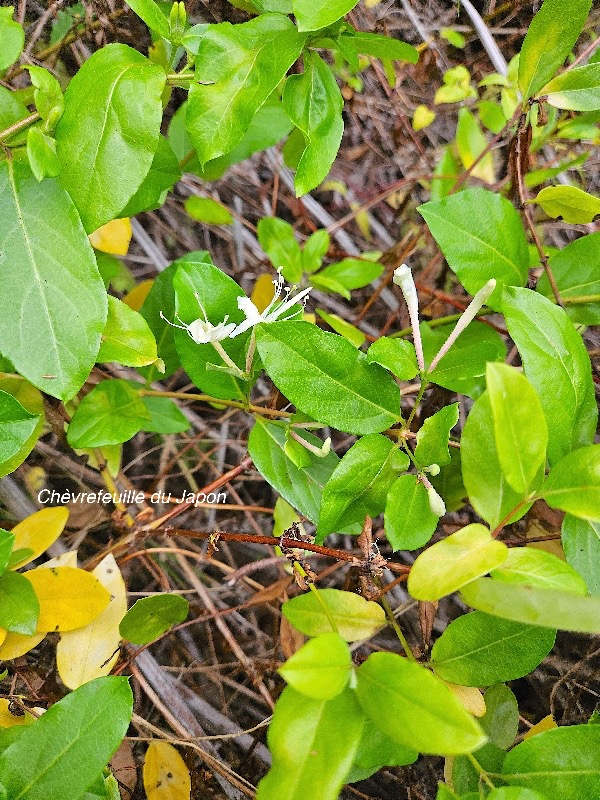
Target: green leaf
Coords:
[[444, 175], [547, 608], [533, 567], [572, 204], [111, 413], [479, 650], [19, 606], [309, 747], [55, 288], [350, 332], [359, 484], [277, 239], [449, 483], [164, 173], [16, 426], [326, 378], [7, 541], [373, 44], [376, 750], [470, 143], [515, 793], [314, 103], [11, 108], [433, 435], [321, 669], [397, 355], [315, 247], [581, 543], [150, 617], [109, 132], [550, 38], [481, 235], [575, 90], [492, 116], [127, 338], [314, 14], [413, 707], [519, 426], [239, 66], [65, 750], [150, 12], [457, 560], [204, 209], [354, 617], [409, 521], [165, 416], [12, 38], [576, 277], [573, 485], [558, 367], [501, 718], [48, 96], [41, 152], [559, 763], [351, 273]]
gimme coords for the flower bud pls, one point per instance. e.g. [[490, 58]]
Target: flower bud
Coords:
[[436, 504]]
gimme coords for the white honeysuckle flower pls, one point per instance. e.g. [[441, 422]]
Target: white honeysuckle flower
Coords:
[[404, 279], [202, 331], [436, 504], [273, 311]]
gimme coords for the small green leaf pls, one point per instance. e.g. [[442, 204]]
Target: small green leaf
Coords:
[[409, 521], [575, 90], [7, 541], [350, 332], [16, 426], [48, 96], [413, 707], [326, 378], [576, 277], [572, 204], [277, 239], [165, 416], [457, 560], [455, 38], [351, 273], [65, 750], [111, 413], [373, 44], [150, 617], [481, 235], [470, 143], [150, 13], [562, 762], [547, 608], [550, 38], [315, 247], [376, 750], [41, 152], [397, 355], [432, 437], [501, 718], [581, 543], [479, 650], [557, 366], [574, 484], [309, 746], [12, 38], [359, 484], [320, 669], [354, 617], [314, 14], [519, 426], [19, 606], [444, 175], [204, 209], [533, 567], [127, 338]]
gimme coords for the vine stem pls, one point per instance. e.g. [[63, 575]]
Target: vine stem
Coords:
[[397, 629], [480, 770], [205, 398], [19, 126]]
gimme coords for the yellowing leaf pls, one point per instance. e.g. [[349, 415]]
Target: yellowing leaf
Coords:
[[263, 291], [470, 697], [166, 776], [135, 298], [68, 559], [69, 597], [91, 652], [16, 645], [3, 633], [9, 720], [545, 724], [113, 238], [422, 117], [39, 531]]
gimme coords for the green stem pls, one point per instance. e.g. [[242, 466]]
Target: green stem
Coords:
[[419, 397], [19, 126], [480, 770], [397, 629], [581, 299], [206, 398]]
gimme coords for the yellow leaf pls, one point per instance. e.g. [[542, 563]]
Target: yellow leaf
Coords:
[[166, 776], [113, 238], [422, 117], [68, 559], [3, 633], [9, 720], [91, 652], [362, 220], [135, 298], [470, 697], [16, 645], [263, 292], [545, 724], [39, 531], [69, 597]]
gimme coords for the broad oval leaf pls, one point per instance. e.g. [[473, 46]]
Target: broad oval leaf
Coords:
[[17, 425], [108, 134], [32, 401], [309, 747], [326, 378], [127, 338], [19, 604], [65, 750], [164, 173], [433, 435], [581, 543], [69, 597], [558, 763], [314, 14], [397, 355], [547, 608], [321, 668], [572, 204], [409, 520], [479, 650], [355, 618], [150, 617], [17, 644], [576, 277], [413, 707], [12, 38], [166, 776], [38, 531], [558, 367], [533, 567], [576, 90], [501, 718], [573, 485], [111, 413], [376, 750], [455, 561], [56, 289]]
